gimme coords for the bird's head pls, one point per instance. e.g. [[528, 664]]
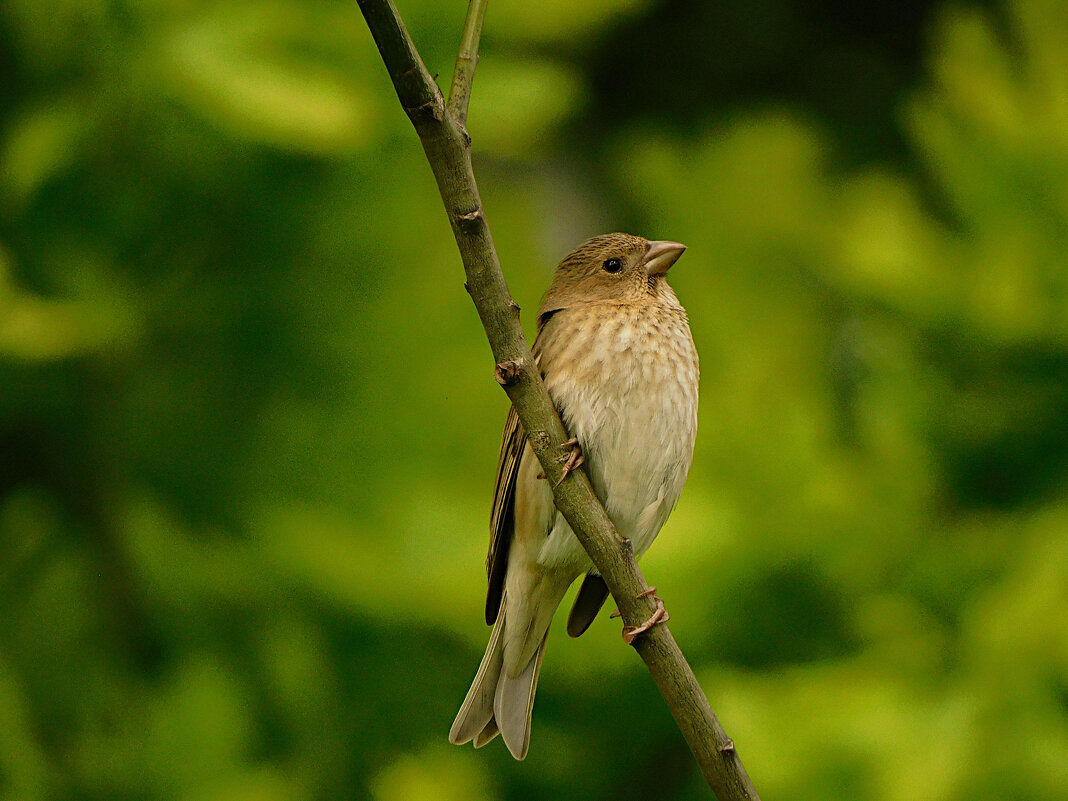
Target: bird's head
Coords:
[[611, 268]]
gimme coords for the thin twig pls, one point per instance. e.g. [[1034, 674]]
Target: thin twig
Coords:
[[466, 61], [448, 150]]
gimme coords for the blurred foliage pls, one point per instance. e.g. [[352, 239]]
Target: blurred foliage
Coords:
[[248, 431]]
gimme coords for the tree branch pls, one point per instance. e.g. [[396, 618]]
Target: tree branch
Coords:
[[448, 149], [466, 61]]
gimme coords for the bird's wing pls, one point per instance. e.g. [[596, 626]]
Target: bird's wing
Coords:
[[502, 518]]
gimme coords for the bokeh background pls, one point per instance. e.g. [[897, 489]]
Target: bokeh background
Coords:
[[248, 428]]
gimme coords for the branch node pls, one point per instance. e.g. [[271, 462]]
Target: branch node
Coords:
[[507, 373], [470, 223], [432, 109], [467, 287], [514, 307], [727, 747]]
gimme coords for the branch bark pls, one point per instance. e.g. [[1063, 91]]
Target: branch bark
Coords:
[[448, 149], [466, 61]]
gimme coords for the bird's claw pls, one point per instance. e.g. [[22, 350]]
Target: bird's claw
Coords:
[[572, 461], [660, 614], [642, 594]]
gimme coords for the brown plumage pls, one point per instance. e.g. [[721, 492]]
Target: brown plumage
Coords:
[[615, 350]]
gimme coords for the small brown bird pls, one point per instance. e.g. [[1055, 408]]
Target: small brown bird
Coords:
[[615, 350]]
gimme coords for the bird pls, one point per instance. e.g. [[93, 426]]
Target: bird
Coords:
[[615, 351]]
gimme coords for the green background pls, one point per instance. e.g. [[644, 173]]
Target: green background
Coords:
[[248, 427]]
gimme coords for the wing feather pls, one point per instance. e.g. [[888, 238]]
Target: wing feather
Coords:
[[502, 518]]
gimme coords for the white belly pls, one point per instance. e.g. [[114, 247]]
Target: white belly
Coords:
[[634, 410]]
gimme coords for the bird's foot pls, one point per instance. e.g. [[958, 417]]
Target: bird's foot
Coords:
[[572, 461], [660, 614]]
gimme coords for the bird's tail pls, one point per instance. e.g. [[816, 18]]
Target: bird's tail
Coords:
[[498, 702]]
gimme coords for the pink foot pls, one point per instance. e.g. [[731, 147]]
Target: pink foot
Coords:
[[660, 614], [572, 462]]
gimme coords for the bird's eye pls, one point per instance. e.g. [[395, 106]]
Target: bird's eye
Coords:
[[612, 265]]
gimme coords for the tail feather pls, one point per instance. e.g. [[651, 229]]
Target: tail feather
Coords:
[[497, 702], [513, 704], [476, 712], [591, 597], [487, 734]]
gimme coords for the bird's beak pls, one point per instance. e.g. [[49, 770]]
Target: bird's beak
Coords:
[[659, 256]]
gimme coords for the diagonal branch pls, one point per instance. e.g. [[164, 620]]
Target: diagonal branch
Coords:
[[466, 61], [448, 149], [413, 83]]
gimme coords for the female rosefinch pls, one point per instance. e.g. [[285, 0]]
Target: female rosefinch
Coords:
[[615, 349]]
